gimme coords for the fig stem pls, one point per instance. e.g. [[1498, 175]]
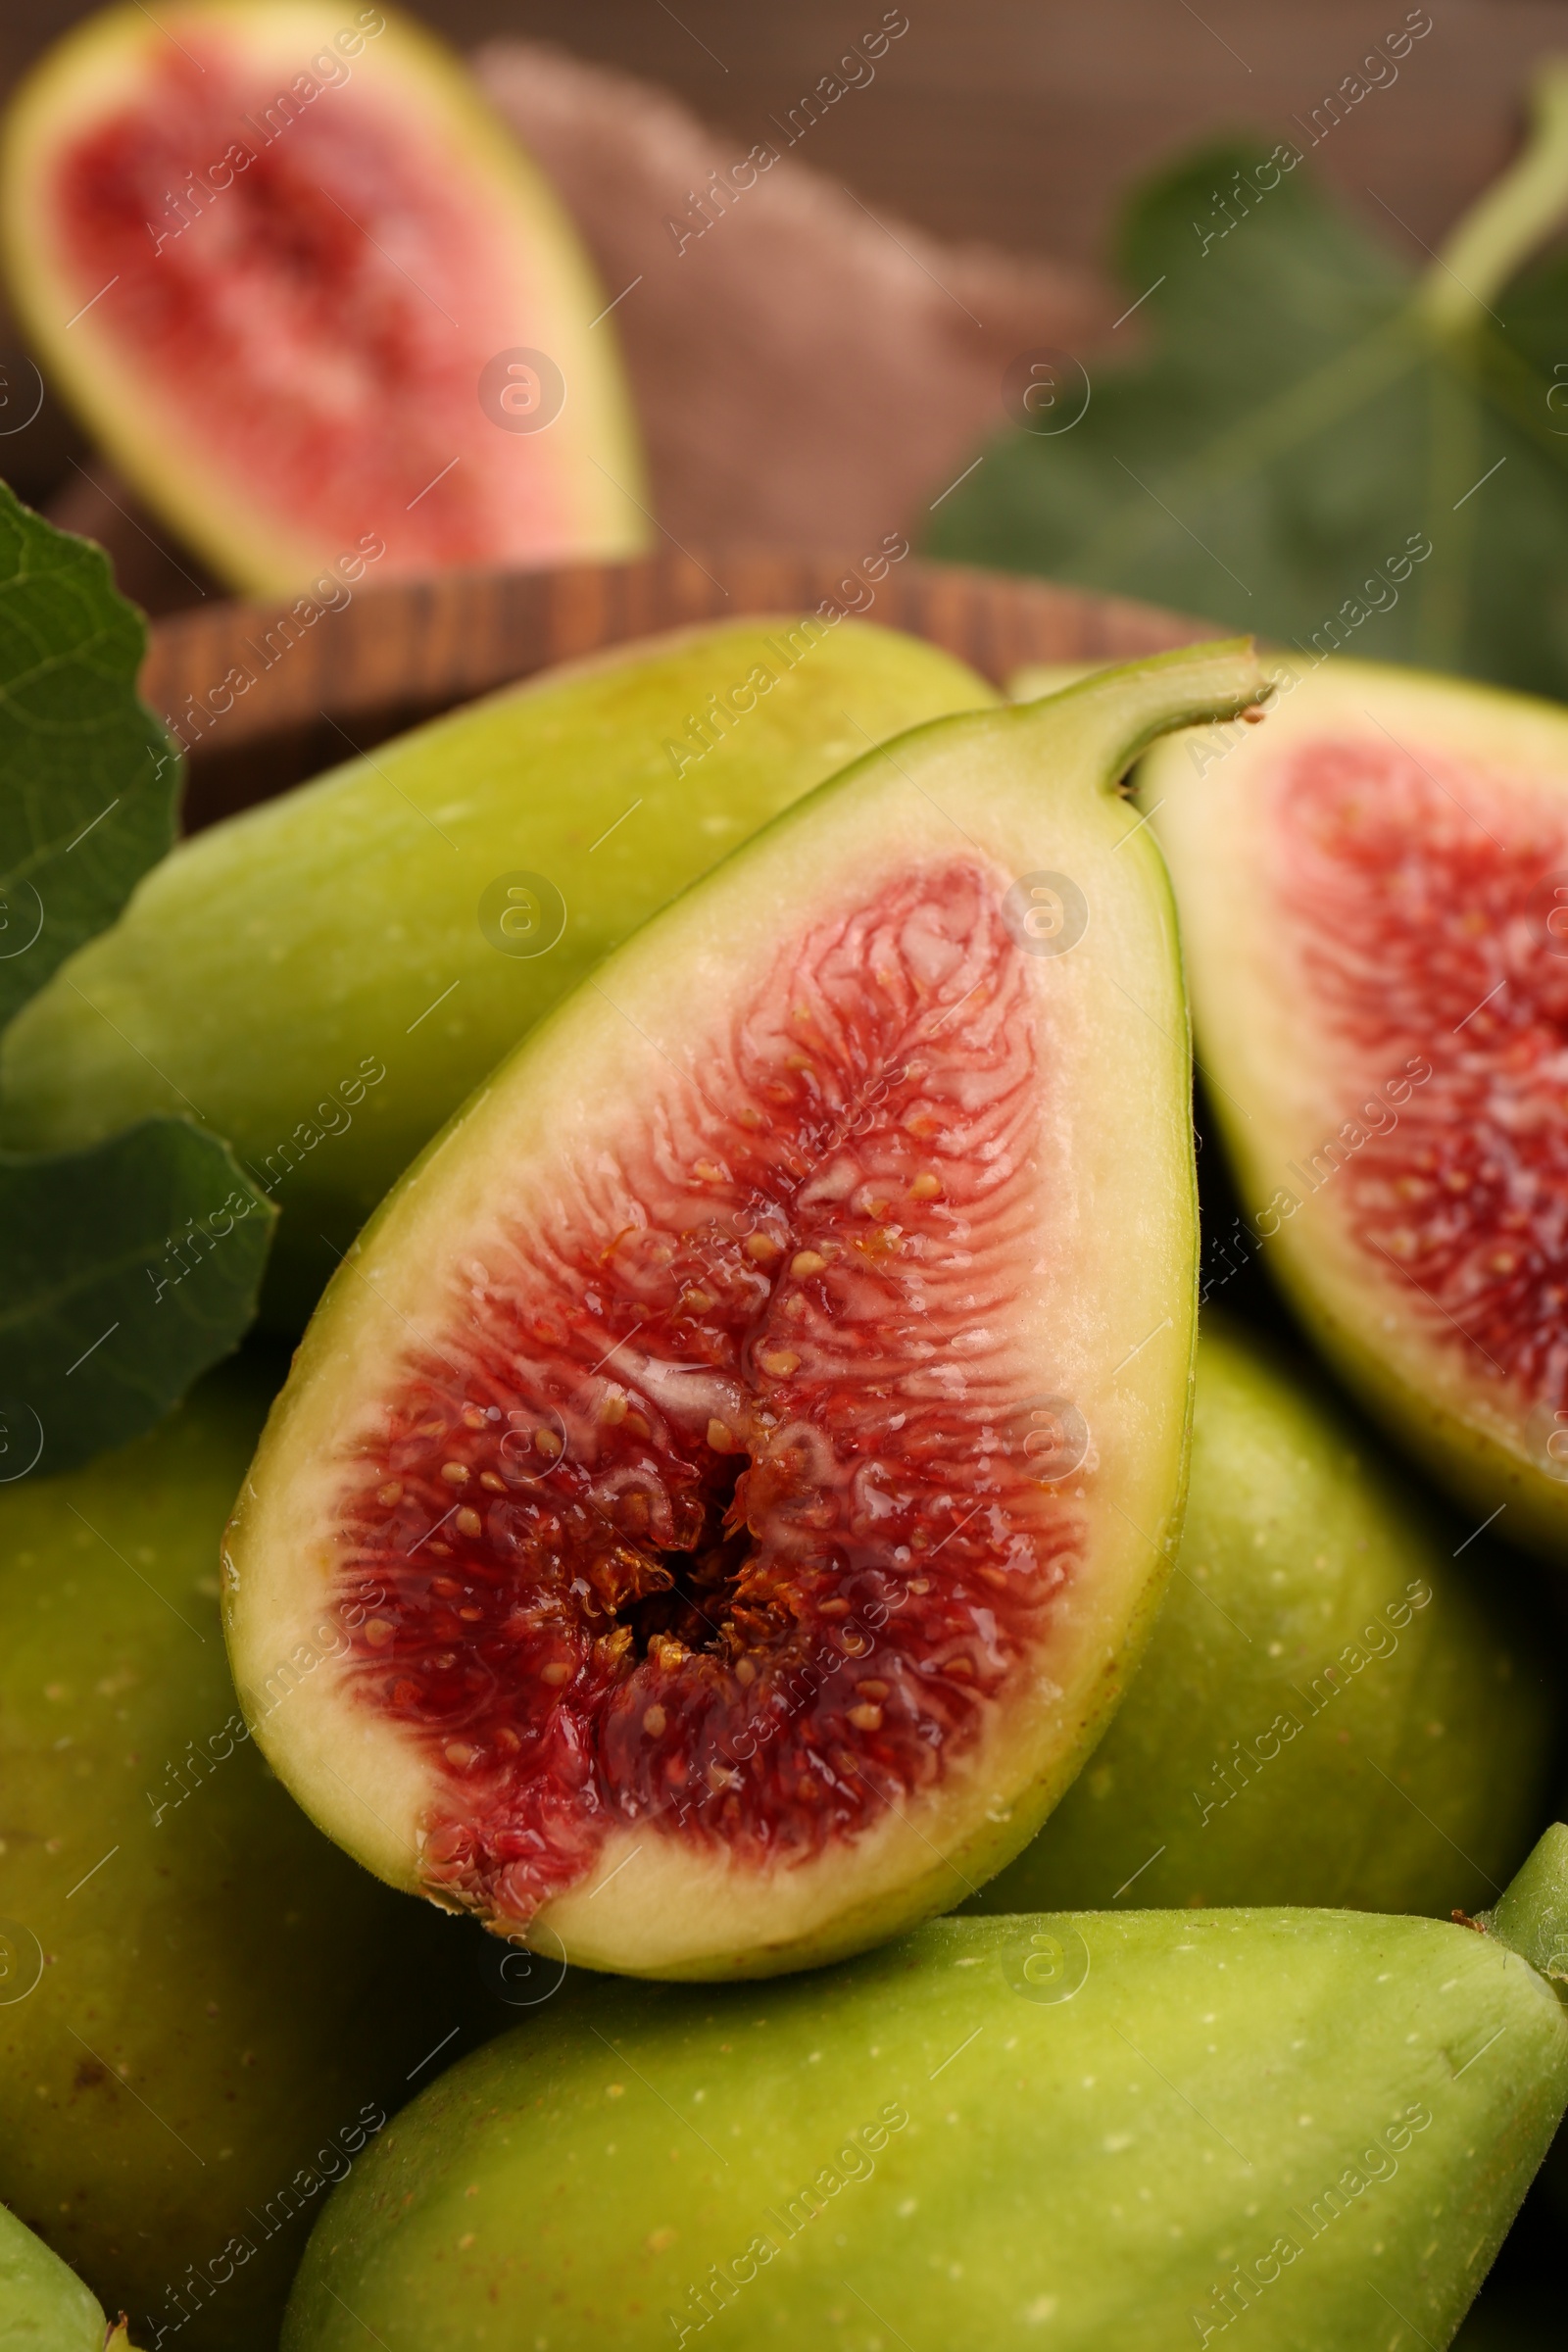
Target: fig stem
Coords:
[[1108, 718], [1503, 226], [1531, 1916]]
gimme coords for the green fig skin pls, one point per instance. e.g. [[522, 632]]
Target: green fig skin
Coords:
[[1305, 1727], [201, 2000], [1138, 2130], [43, 2305], [318, 979]]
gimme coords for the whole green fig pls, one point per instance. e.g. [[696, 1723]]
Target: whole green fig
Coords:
[[205, 2009], [324, 978], [1138, 2130], [43, 2305], [1330, 1710]]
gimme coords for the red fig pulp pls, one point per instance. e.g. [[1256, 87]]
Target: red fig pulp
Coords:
[[729, 1518], [312, 297], [1375, 893]]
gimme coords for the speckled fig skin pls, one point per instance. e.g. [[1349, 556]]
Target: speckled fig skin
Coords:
[[327, 976], [204, 2007], [1134, 2129], [1409, 1781]]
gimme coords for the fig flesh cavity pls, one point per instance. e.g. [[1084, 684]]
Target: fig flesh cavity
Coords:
[[327, 976], [1329, 1710], [744, 1450], [304, 287], [1138, 2130], [204, 2009], [1374, 897]]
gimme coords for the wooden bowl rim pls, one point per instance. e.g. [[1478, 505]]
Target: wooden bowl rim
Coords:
[[439, 639]]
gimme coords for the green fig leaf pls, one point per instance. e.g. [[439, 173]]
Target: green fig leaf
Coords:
[[1320, 447], [125, 1270], [88, 780]]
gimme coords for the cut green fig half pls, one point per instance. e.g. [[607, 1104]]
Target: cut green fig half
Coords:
[[746, 1450], [1332, 1709], [327, 976], [1374, 898], [1302, 2130], [306, 289]]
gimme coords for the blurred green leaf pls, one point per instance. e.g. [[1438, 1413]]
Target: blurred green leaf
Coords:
[[1311, 415], [88, 779], [127, 1269]]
